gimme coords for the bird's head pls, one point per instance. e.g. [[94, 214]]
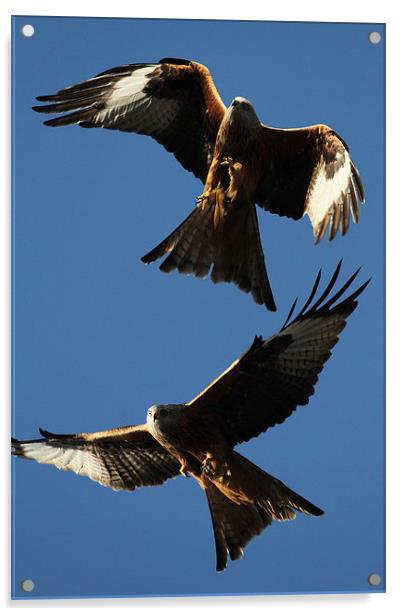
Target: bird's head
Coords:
[[239, 125], [242, 108], [154, 413], [162, 417]]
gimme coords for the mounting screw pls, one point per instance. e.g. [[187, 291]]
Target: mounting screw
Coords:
[[27, 585], [28, 30], [374, 579], [374, 38]]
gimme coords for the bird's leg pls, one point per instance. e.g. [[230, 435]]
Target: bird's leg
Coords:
[[212, 466], [201, 198], [206, 461], [188, 467], [184, 470], [227, 162]]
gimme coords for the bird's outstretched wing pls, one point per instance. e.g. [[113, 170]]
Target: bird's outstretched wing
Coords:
[[276, 375], [309, 171], [122, 458], [175, 102]]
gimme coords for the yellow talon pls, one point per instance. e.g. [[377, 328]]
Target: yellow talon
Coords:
[[204, 196], [183, 470]]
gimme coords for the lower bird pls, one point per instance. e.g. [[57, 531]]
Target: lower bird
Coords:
[[197, 438], [241, 162]]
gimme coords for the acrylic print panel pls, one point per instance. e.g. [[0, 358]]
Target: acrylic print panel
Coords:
[[98, 337]]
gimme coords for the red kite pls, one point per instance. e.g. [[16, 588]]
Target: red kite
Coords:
[[258, 391], [290, 172]]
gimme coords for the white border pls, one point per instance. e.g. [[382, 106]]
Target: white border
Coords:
[[285, 10]]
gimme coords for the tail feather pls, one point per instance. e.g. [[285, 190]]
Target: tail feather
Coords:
[[245, 264], [233, 525], [196, 245], [244, 503], [193, 252], [168, 243]]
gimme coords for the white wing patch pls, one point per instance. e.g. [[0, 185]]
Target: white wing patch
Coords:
[[81, 462], [127, 88], [333, 195], [330, 200], [125, 95], [128, 108]]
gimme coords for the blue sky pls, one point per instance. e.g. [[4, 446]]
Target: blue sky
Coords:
[[99, 337]]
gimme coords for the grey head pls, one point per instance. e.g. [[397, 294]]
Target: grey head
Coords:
[[241, 107], [164, 419], [239, 125]]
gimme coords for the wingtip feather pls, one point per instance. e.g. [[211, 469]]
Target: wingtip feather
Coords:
[[319, 304]]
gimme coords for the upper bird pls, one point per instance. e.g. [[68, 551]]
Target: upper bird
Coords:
[[290, 172], [259, 390]]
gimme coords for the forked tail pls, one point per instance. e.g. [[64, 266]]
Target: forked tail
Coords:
[[244, 503], [228, 241]]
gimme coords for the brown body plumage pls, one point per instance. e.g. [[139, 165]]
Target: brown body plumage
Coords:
[[241, 162], [259, 390]]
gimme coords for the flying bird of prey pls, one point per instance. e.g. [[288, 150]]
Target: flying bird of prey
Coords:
[[197, 438], [241, 162]]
